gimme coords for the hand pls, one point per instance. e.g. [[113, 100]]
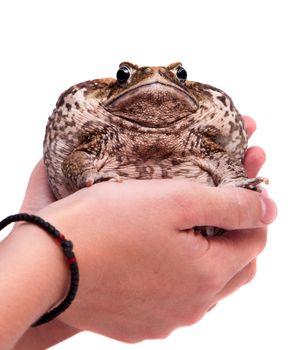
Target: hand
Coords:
[[143, 271], [164, 253], [177, 251]]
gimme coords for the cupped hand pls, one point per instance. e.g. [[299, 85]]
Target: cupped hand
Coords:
[[143, 270]]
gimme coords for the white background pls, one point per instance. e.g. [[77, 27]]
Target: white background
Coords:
[[254, 50]]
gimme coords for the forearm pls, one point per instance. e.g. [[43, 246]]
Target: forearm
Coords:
[[33, 277]]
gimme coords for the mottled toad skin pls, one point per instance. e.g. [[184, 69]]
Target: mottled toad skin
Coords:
[[154, 124]]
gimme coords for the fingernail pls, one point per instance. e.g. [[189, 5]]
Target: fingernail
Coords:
[[269, 210]]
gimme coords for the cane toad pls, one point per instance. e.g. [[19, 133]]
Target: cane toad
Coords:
[[149, 122]]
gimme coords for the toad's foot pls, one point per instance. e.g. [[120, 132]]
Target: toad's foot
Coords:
[[91, 177], [251, 184], [82, 169], [208, 231]]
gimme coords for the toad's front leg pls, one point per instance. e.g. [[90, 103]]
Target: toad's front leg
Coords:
[[85, 165], [82, 169], [226, 170]]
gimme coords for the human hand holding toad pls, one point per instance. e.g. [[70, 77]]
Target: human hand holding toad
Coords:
[[143, 270]]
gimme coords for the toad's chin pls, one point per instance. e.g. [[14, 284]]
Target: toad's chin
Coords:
[[153, 105]]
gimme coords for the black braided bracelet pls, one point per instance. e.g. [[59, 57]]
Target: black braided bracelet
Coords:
[[69, 255]]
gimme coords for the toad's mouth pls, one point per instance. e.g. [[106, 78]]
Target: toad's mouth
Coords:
[[154, 104]]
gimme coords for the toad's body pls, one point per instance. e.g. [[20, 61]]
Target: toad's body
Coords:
[[149, 123]]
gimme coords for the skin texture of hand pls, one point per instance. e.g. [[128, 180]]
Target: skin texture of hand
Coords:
[[144, 272]]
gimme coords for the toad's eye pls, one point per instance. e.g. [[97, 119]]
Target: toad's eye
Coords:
[[123, 74], [182, 74]]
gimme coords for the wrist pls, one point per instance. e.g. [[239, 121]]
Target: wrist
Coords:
[[34, 277], [47, 260]]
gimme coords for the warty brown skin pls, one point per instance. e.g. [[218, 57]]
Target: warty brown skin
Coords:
[[155, 125]]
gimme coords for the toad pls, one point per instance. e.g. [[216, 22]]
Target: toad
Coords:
[[148, 123]]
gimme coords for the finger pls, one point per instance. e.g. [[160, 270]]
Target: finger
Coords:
[[38, 193], [228, 208], [250, 125], [241, 278], [254, 160], [232, 253]]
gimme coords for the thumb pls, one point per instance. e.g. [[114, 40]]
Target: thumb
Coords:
[[38, 193], [227, 208]]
